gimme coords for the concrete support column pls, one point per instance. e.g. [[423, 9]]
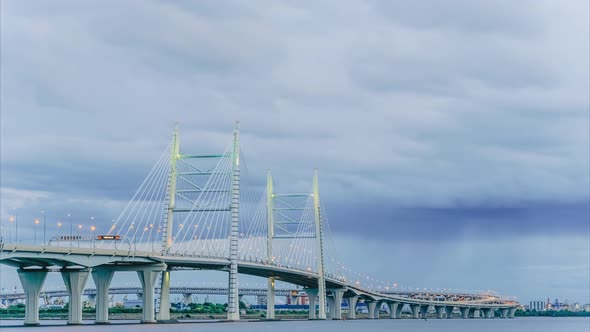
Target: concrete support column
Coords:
[[511, 312], [148, 282], [270, 299], [337, 304], [423, 311], [486, 312], [465, 312], [32, 282], [352, 307], [398, 312], [393, 309], [440, 311], [331, 307], [92, 301], [164, 307], [449, 312], [415, 310], [187, 299], [476, 313], [504, 313], [312, 295], [75, 281], [373, 309], [102, 280]]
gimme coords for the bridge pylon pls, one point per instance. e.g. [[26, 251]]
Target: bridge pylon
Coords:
[[270, 295], [320, 246], [233, 304], [164, 303]]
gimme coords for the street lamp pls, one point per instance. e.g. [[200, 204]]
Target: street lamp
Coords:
[[79, 234], [92, 228], [16, 226], [71, 229], [58, 227], [44, 226], [10, 220], [36, 223]]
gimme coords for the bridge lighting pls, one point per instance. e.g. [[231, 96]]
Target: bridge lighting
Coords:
[[108, 237], [36, 223]]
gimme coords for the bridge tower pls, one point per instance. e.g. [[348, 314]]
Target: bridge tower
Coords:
[[164, 310], [233, 304], [270, 295], [320, 246]]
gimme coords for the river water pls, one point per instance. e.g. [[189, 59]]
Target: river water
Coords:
[[533, 324]]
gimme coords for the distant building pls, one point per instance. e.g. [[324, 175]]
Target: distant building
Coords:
[[587, 307], [576, 307], [537, 305], [133, 304]]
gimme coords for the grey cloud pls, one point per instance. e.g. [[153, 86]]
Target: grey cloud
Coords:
[[393, 111], [497, 16]]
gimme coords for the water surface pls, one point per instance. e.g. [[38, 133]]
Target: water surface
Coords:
[[536, 324]]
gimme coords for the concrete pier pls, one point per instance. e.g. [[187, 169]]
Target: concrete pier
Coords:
[[504, 313], [415, 310], [312, 295], [32, 282], [440, 311], [270, 299], [373, 309], [75, 281], [102, 280], [398, 310], [336, 304], [511, 312], [331, 307], [465, 312], [393, 309], [164, 309], [423, 311], [148, 279], [449, 312], [92, 301], [476, 313], [187, 299], [352, 306]]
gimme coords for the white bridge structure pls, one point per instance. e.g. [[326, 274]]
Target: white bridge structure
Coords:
[[203, 212]]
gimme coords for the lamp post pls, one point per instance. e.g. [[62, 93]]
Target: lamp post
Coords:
[[71, 229], [36, 223], [92, 228], [79, 234], [10, 220], [16, 226], [44, 226], [58, 227]]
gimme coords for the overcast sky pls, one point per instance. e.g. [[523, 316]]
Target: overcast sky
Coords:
[[449, 135]]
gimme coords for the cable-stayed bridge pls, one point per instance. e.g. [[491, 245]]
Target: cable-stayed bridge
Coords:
[[204, 212]]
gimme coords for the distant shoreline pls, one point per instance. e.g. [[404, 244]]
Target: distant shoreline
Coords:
[[551, 313]]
